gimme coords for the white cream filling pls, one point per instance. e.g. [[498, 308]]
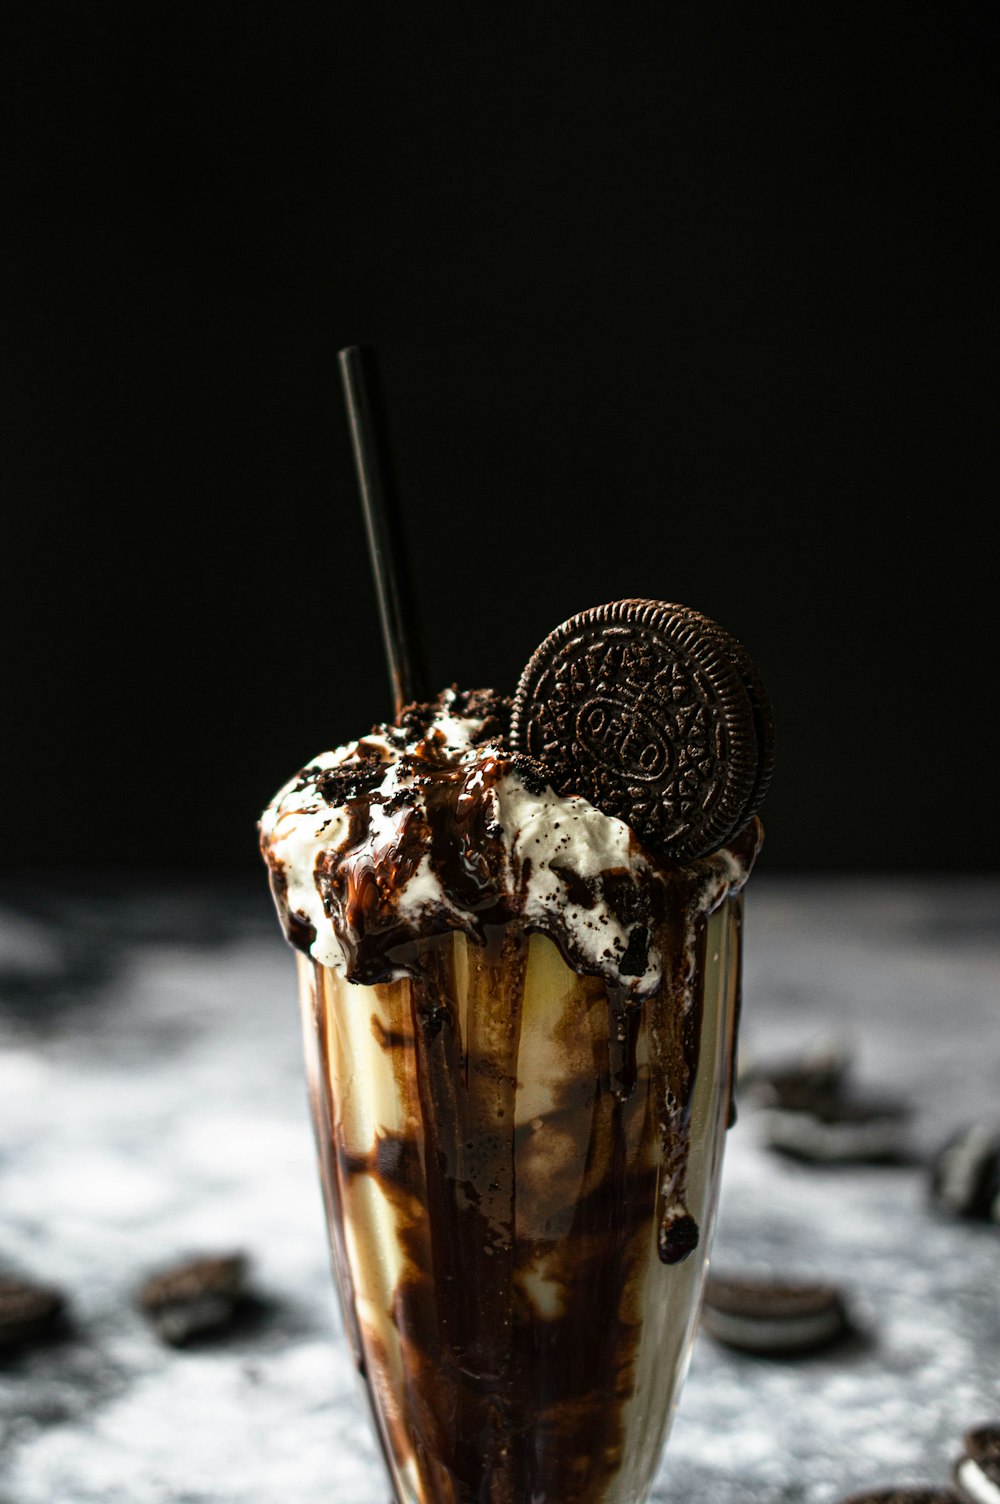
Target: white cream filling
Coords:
[[959, 1165], [804, 1134], [773, 1333], [974, 1481]]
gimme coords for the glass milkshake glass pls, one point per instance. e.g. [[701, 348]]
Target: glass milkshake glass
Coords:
[[519, 1032]]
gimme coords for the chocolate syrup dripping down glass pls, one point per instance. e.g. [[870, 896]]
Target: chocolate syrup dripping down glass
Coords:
[[532, 1140], [675, 1026], [452, 831], [496, 1399]]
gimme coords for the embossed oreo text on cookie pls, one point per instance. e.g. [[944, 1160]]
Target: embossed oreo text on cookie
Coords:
[[639, 707]]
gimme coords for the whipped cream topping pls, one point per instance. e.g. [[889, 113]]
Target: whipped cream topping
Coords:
[[436, 825]]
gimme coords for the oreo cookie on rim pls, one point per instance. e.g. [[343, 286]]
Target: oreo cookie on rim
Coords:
[[977, 1474], [773, 1318], [656, 715]]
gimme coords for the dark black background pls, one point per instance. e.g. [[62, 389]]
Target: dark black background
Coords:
[[688, 301]]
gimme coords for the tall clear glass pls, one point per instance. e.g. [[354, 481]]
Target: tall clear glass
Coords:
[[493, 1201]]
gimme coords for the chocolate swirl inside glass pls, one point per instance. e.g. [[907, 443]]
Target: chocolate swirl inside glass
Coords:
[[519, 1126]]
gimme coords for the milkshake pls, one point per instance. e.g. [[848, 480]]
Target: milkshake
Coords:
[[519, 1012]]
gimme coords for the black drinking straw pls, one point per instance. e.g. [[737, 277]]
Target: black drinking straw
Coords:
[[380, 504]]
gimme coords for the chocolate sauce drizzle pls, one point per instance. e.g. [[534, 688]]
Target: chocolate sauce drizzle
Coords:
[[497, 1401]]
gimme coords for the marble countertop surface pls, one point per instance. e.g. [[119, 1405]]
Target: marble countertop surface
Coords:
[[152, 1103]]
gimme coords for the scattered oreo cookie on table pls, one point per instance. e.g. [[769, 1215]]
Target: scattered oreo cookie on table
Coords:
[[29, 1313], [805, 1109], [965, 1175], [819, 1074], [657, 716], [773, 1318], [829, 1130], [977, 1474], [198, 1298]]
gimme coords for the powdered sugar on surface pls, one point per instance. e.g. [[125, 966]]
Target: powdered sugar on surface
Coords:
[[153, 1103], [909, 974]]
